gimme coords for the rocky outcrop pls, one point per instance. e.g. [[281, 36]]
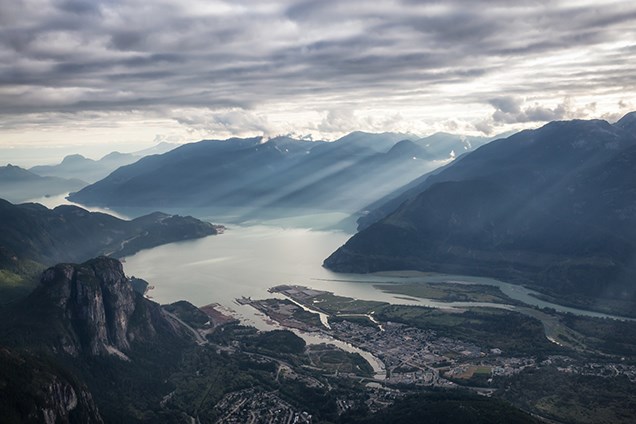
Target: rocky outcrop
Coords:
[[81, 335], [35, 391], [95, 303], [61, 401]]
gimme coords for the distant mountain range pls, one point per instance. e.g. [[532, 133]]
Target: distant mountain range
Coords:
[[554, 208], [19, 185], [79, 167], [278, 174], [73, 173]]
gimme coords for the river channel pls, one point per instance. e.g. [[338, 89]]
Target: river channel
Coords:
[[248, 260]]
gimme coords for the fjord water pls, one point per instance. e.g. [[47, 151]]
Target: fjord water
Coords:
[[244, 261], [248, 260]]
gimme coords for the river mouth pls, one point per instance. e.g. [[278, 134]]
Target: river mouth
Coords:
[[249, 260]]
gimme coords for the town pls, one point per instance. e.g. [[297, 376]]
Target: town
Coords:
[[372, 354]]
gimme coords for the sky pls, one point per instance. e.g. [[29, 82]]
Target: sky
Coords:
[[123, 75]]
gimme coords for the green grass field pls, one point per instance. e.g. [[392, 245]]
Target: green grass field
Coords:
[[448, 292]]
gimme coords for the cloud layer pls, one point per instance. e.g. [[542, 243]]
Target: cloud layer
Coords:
[[313, 66]]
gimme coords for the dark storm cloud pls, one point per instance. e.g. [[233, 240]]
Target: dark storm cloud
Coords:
[[117, 55]]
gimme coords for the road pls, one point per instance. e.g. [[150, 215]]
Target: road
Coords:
[[199, 338]]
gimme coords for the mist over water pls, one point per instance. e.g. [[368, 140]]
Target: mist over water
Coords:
[[52, 202]]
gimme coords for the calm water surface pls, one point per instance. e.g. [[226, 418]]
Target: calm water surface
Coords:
[[247, 260]]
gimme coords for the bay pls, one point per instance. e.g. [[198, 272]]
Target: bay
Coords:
[[248, 260]]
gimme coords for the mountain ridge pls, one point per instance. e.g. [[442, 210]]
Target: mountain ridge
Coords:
[[551, 208], [69, 233], [18, 184], [280, 174], [77, 166]]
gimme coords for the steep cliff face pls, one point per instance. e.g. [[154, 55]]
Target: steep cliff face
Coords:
[[97, 307], [83, 334], [35, 391]]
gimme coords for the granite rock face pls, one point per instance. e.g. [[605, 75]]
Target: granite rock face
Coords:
[[76, 339], [36, 391], [62, 400], [97, 301]]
